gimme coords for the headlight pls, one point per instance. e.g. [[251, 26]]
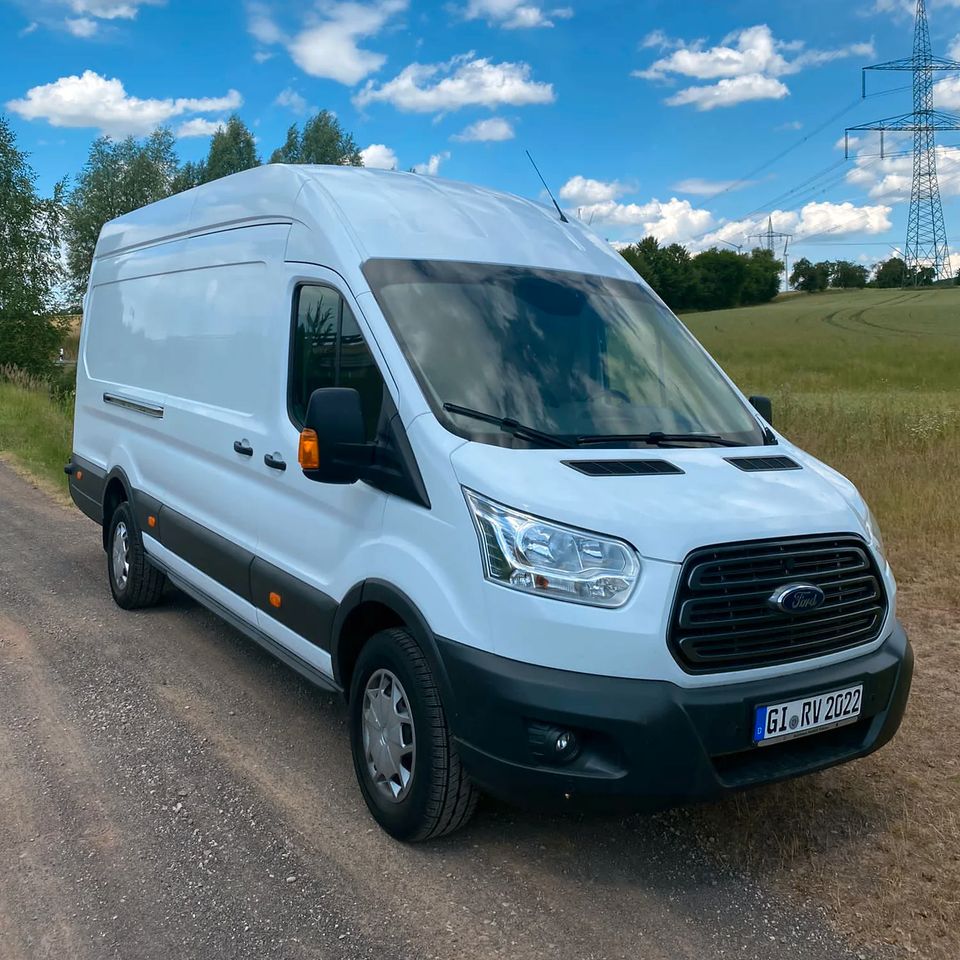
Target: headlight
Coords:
[[551, 560], [873, 530]]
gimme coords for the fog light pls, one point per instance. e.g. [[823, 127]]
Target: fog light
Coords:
[[550, 744]]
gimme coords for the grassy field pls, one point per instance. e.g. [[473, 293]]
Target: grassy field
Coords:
[[35, 431], [869, 381]]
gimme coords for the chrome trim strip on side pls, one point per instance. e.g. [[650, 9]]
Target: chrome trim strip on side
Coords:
[[137, 406]]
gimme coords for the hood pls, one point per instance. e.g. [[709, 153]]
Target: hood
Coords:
[[665, 516]]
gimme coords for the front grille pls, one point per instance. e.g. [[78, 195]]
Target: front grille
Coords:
[[722, 621]]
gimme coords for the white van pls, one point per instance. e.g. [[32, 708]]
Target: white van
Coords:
[[447, 454]]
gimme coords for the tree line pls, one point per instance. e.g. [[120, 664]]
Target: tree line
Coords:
[[710, 280]]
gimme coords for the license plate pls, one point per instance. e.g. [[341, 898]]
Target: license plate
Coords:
[[797, 718]]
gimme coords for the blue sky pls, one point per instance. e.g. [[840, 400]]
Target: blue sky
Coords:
[[693, 121]]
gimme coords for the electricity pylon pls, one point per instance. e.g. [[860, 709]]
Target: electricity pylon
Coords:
[[926, 247]]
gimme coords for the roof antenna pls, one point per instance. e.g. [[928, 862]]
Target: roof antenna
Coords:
[[563, 218]]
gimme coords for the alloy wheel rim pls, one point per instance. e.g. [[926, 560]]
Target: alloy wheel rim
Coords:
[[389, 739], [121, 555]]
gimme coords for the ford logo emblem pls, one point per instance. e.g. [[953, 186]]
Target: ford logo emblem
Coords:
[[797, 598]]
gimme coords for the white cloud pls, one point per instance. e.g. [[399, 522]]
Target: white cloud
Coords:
[[31, 27], [842, 219], [198, 127], [746, 65], [294, 102], [379, 156], [671, 221], [825, 217], [890, 178], [81, 26], [946, 93], [698, 186], [953, 52], [92, 100], [491, 129], [658, 39], [904, 9], [515, 14], [462, 81], [327, 45], [730, 91], [432, 166], [789, 125], [262, 56], [111, 9], [582, 190]]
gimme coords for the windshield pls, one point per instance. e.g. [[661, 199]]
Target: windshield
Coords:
[[563, 353]]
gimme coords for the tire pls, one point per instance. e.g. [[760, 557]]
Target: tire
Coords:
[[134, 582], [430, 795]]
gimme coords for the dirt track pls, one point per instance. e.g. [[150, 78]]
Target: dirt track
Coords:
[[167, 789]]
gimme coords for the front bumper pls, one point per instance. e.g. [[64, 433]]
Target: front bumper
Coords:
[[647, 744]]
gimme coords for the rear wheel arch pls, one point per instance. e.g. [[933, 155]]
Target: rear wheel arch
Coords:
[[370, 607]]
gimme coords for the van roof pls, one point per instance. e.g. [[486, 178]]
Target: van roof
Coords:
[[377, 213]]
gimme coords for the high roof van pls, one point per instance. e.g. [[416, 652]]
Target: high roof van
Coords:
[[445, 453]]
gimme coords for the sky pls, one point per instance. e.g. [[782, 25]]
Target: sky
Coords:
[[697, 122]]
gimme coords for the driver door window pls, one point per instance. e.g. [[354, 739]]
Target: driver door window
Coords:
[[329, 351]]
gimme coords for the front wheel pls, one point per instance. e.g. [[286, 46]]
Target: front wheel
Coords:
[[403, 752], [134, 583]]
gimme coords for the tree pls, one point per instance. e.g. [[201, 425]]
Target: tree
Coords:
[[29, 262], [846, 275], [891, 273], [677, 277], [119, 176], [721, 275], [188, 176], [644, 257], [810, 277], [762, 281], [323, 141], [232, 149]]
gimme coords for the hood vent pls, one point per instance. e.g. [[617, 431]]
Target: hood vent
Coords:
[[756, 464], [623, 468]]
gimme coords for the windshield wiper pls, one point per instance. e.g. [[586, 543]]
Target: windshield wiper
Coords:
[[658, 439], [511, 426]]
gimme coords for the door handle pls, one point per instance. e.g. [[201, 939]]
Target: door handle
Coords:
[[243, 447], [274, 461]]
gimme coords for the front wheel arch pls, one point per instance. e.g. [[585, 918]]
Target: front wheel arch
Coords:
[[374, 605]]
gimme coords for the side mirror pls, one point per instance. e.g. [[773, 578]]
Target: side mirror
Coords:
[[764, 407], [333, 447]]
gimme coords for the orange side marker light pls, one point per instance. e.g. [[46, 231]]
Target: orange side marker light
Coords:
[[79, 474], [275, 599], [308, 453], [151, 521]]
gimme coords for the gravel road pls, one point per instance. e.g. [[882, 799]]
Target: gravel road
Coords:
[[169, 790]]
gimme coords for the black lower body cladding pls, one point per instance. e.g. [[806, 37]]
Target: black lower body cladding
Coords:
[[646, 744]]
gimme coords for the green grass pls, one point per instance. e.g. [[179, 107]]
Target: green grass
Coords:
[[36, 429], [869, 381]]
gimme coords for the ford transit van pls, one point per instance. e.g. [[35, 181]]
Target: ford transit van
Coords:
[[447, 454]]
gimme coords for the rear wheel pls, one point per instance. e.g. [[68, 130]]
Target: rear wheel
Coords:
[[134, 582], [403, 752]]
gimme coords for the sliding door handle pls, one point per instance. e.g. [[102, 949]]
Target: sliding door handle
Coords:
[[274, 461], [243, 447]]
